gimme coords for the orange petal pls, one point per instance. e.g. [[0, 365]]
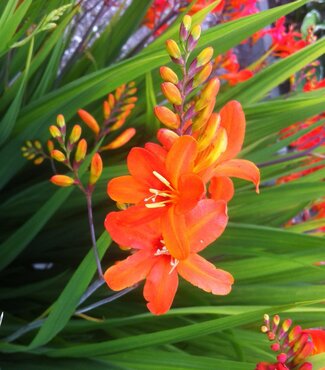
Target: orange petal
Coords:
[[191, 189], [130, 271], [174, 234], [221, 188], [146, 236], [140, 214], [205, 223], [318, 339], [158, 150], [233, 120], [120, 140], [141, 164], [125, 189], [166, 137], [180, 158], [203, 274], [240, 168], [161, 286]]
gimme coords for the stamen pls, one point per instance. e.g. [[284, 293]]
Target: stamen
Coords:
[[159, 204], [162, 179], [173, 262], [161, 251]]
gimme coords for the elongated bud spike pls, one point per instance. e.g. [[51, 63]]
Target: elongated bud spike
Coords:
[[58, 155], [60, 121], [55, 132], [171, 93], [89, 120], [173, 49], [62, 180], [167, 117], [205, 56], [168, 75], [81, 150], [75, 134], [96, 169], [166, 137], [106, 109], [121, 140]]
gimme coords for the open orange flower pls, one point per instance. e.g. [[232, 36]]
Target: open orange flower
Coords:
[[152, 260], [162, 185]]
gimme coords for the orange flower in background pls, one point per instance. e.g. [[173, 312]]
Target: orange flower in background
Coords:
[[152, 260], [163, 185]]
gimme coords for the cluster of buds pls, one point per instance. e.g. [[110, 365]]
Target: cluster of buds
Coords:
[[116, 108], [72, 153], [34, 151], [187, 115], [292, 344]]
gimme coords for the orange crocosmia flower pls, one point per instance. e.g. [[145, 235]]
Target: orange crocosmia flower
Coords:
[[152, 260], [162, 185]]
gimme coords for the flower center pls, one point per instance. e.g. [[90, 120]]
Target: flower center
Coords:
[[164, 251], [168, 193]]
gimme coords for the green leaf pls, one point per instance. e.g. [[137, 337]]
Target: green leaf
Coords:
[[152, 123]]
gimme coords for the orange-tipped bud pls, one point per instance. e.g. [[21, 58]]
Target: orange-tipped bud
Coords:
[[131, 100], [96, 169], [118, 124], [127, 107], [106, 109], [54, 131], [187, 22], [121, 140], [50, 145], [81, 150], [202, 118], [58, 155], [89, 121], [167, 117], [111, 100], [37, 144], [75, 134], [205, 56], [203, 75], [60, 121], [38, 161], [119, 91], [211, 89], [209, 132], [132, 91], [168, 75], [166, 137], [62, 180], [131, 84], [173, 49], [171, 93], [196, 32]]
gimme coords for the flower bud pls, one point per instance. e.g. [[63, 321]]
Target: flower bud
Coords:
[[111, 100], [81, 150], [37, 144], [121, 140], [89, 121], [96, 169], [75, 134], [173, 49], [171, 93], [205, 56], [282, 358], [62, 180], [167, 117], [60, 121], [38, 161], [131, 100], [54, 131], [58, 155], [119, 91], [118, 124], [166, 137], [193, 38], [106, 109], [209, 132], [203, 75], [50, 145], [168, 75], [29, 144], [132, 91], [185, 27]]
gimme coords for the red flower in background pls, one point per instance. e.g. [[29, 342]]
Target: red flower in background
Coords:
[[152, 261]]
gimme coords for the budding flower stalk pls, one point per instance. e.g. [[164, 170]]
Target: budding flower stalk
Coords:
[[167, 117], [81, 151], [96, 169], [89, 120], [171, 93], [62, 180]]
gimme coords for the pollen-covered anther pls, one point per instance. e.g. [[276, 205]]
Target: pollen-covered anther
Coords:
[[162, 251], [173, 262]]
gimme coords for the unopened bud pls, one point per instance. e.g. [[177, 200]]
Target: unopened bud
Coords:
[[205, 56], [121, 140], [132, 91], [209, 132], [111, 100], [275, 347], [166, 137], [193, 37], [171, 93], [50, 145], [81, 150], [75, 134], [167, 117], [60, 121], [37, 144], [58, 155], [173, 49], [38, 161], [168, 75], [106, 109], [96, 169], [62, 180], [185, 27], [55, 132], [89, 120], [132, 99], [203, 75], [282, 358]]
